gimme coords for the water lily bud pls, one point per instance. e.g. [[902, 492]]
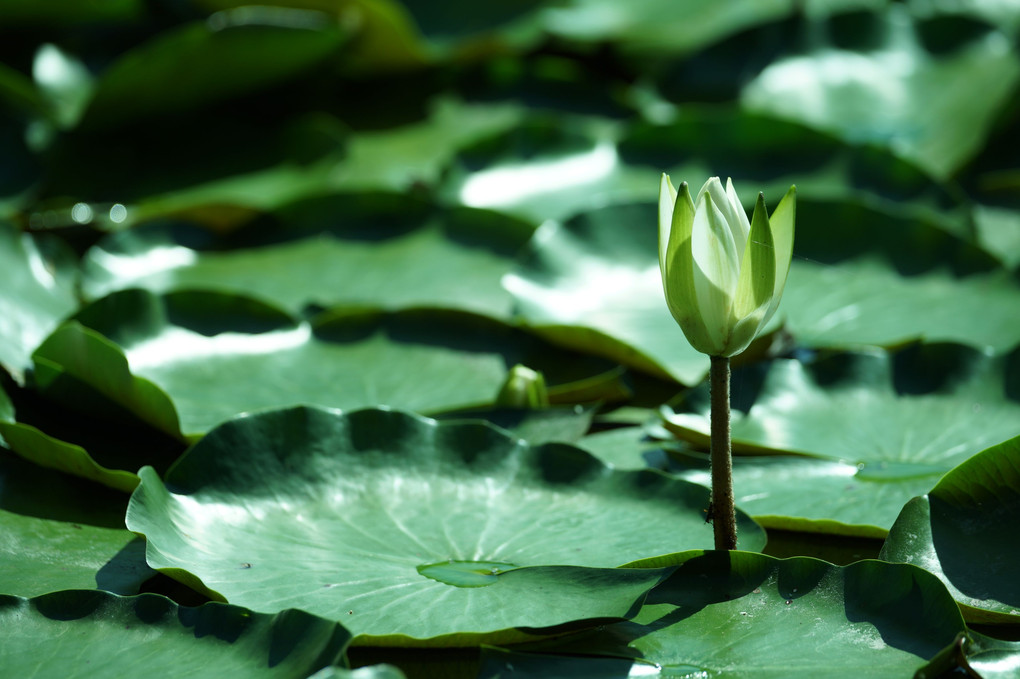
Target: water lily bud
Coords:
[[523, 388], [723, 275]]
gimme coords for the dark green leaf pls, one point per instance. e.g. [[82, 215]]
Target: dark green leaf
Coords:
[[740, 615], [959, 531], [338, 514], [86, 634]]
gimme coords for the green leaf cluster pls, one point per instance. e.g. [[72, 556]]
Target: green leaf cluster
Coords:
[[333, 340]]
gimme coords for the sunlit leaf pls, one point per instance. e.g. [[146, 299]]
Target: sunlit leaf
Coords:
[[377, 511], [933, 109], [196, 347], [363, 249], [37, 278], [737, 614], [64, 533]]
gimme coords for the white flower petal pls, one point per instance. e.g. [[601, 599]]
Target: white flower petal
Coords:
[[739, 214]]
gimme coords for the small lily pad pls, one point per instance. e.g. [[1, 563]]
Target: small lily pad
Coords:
[[348, 515], [958, 532]]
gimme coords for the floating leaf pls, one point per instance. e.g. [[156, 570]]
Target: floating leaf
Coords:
[[546, 168], [64, 533], [339, 515], [233, 53], [888, 414], [933, 109], [51, 452], [78, 633], [659, 26], [360, 249], [370, 672], [43, 556], [197, 345], [738, 614], [957, 531], [594, 284], [545, 425], [38, 283]]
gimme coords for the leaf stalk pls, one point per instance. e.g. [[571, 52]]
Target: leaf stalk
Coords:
[[722, 511]]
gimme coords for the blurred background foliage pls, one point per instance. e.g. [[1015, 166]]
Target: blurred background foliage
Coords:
[[422, 194]]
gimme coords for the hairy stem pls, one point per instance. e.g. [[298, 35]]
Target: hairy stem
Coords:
[[723, 511]]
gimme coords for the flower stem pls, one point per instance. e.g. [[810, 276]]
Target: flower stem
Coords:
[[723, 512]]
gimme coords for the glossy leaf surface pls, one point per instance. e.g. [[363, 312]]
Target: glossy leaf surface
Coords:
[[969, 512], [38, 281], [749, 615], [903, 417], [361, 502], [64, 533], [372, 250]]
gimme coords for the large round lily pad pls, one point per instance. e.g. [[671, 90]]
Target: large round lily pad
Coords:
[[961, 531], [77, 633], [402, 526], [747, 615]]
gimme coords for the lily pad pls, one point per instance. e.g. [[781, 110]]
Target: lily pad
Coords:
[[992, 658], [659, 26], [81, 368], [890, 415], [51, 452], [194, 345], [770, 154], [233, 53], [934, 109], [546, 168], [370, 672], [338, 514], [781, 492], [84, 634], [536, 426], [42, 556], [957, 531], [87, 434], [364, 249], [418, 153], [594, 283], [742, 615], [37, 276], [64, 533]]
